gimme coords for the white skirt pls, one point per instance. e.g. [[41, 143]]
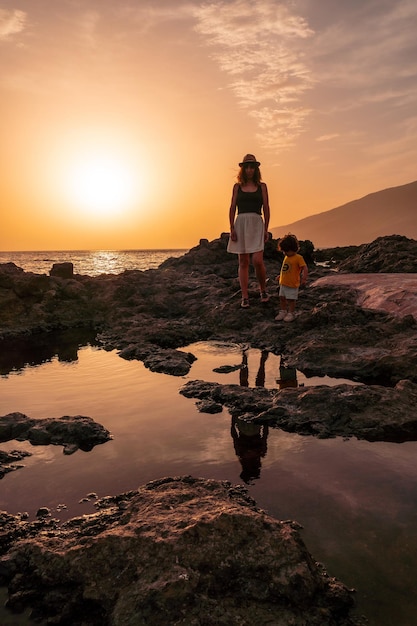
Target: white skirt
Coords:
[[250, 229]]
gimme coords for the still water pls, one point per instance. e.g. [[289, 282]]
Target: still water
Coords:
[[357, 501]]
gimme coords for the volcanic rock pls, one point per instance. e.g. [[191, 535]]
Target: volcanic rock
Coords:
[[393, 254], [64, 270], [374, 413], [8, 460], [76, 431], [177, 551], [378, 292]]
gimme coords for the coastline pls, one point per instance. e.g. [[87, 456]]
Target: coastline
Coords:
[[91, 262], [195, 297]]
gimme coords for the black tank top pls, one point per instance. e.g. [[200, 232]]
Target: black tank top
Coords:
[[249, 201]]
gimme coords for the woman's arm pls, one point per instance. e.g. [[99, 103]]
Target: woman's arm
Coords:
[[232, 212], [266, 210]]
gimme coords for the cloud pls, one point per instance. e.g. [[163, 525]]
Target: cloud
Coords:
[[358, 67], [370, 50], [145, 17], [11, 22], [256, 45], [88, 28], [328, 137], [365, 61]]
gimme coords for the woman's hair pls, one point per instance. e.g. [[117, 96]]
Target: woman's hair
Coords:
[[242, 179], [288, 243]]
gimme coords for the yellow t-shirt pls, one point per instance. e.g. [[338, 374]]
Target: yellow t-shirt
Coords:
[[290, 270]]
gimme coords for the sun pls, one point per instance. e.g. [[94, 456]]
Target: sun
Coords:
[[101, 184]]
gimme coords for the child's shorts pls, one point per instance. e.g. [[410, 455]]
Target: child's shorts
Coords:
[[291, 293]]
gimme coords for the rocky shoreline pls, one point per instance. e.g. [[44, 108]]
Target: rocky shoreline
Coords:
[[345, 327], [176, 551]]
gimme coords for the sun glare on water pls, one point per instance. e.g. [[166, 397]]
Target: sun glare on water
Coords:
[[101, 185]]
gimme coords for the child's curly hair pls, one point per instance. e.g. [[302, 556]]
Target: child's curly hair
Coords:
[[288, 243]]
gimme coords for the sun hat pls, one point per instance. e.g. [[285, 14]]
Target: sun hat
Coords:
[[249, 158]]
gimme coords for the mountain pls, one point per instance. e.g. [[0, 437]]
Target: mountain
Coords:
[[392, 211]]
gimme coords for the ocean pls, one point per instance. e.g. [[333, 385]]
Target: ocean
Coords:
[[90, 262]]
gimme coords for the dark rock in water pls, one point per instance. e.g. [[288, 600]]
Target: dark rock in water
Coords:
[[167, 361], [235, 397], [63, 270], [172, 362], [227, 369], [77, 431], [176, 551], [8, 460], [374, 413], [72, 432], [207, 406]]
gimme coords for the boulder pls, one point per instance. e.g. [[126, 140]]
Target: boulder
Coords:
[[166, 361], [77, 431], [176, 551], [393, 254], [63, 270]]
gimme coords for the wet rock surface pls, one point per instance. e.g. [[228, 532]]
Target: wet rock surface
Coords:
[[374, 413], [9, 461], [73, 432], [176, 551]]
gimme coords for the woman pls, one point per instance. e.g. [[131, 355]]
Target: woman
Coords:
[[248, 232]]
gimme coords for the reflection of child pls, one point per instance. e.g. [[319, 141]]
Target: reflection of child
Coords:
[[293, 273], [287, 377]]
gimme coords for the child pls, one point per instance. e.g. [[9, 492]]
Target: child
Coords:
[[293, 273]]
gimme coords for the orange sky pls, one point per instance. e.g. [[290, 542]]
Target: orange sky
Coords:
[[122, 123]]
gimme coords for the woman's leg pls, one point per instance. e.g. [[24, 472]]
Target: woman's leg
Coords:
[[244, 274], [258, 264]]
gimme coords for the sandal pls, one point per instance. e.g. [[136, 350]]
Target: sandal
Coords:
[[264, 296], [245, 303]]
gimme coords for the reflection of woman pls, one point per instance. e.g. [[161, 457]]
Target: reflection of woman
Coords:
[[249, 232], [249, 441], [244, 370], [260, 376]]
